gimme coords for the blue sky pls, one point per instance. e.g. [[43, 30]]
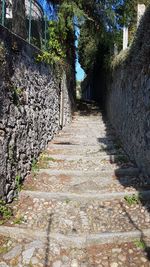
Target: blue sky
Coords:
[[80, 72], [49, 12]]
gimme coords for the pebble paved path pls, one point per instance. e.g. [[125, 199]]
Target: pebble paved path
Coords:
[[80, 206]]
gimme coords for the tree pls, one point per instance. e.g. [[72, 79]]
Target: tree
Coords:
[[127, 15]]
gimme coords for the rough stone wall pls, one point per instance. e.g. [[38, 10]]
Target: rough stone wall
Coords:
[[128, 97], [29, 109]]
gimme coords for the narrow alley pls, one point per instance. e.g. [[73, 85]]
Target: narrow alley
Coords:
[[80, 206]]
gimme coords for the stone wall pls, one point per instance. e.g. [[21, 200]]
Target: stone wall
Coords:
[[30, 109], [128, 97]]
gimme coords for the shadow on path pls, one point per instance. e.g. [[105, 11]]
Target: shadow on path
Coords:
[[126, 172], [128, 175], [47, 251]]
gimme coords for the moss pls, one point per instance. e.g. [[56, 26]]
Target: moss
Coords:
[[2, 56], [120, 59], [11, 153], [2, 51], [17, 92]]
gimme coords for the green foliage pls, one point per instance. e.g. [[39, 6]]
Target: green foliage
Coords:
[[17, 92], [100, 24], [4, 250], [127, 12], [34, 166], [18, 181], [88, 45], [119, 59], [19, 220], [67, 201], [59, 31], [127, 15], [45, 157], [133, 199], [60, 45], [5, 212], [2, 54], [140, 244], [98, 37], [55, 49]]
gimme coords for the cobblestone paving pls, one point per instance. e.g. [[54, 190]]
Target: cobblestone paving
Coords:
[[84, 204], [69, 217]]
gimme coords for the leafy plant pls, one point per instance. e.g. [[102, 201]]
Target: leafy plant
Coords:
[[18, 182], [67, 201], [18, 220], [133, 199], [34, 166], [55, 50], [140, 244], [16, 94], [3, 250], [45, 157], [5, 212]]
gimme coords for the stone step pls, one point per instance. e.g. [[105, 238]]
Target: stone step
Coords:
[[75, 145], [96, 183], [97, 162], [81, 151], [78, 241], [62, 196], [96, 165], [84, 140], [131, 171], [84, 153], [41, 249], [79, 210], [99, 156], [74, 214]]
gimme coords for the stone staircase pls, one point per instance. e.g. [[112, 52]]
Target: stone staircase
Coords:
[[83, 205]]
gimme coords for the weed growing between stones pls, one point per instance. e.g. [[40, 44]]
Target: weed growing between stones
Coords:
[[67, 201], [50, 159], [3, 250], [18, 183], [5, 244], [19, 220], [45, 157], [17, 92], [5, 212], [133, 199], [140, 244], [2, 54], [34, 166]]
